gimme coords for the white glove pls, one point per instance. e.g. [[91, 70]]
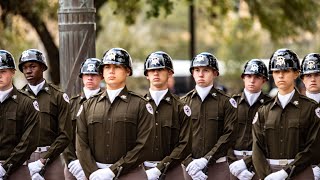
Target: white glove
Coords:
[[76, 169], [237, 167], [102, 174], [199, 176], [279, 175], [153, 173], [245, 175], [196, 165], [37, 176], [2, 171], [316, 172], [35, 167]]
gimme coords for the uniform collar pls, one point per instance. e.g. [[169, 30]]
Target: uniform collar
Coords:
[[260, 98], [44, 88], [14, 94], [213, 93], [294, 100], [123, 95], [167, 97], [82, 97]]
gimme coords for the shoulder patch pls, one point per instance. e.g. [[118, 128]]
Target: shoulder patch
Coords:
[[317, 111], [36, 105], [149, 108], [80, 110], [187, 110], [233, 102], [66, 97], [255, 119]]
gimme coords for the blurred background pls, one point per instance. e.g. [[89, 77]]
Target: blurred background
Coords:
[[235, 31]]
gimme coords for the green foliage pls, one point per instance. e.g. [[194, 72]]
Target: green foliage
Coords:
[[285, 18]]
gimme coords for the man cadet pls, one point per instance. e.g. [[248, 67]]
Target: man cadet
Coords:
[[171, 132], [310, 75], [114, 126], [55, 123], [91, 78], [214, 121], [19, 123], [254, 75], [285, 128]]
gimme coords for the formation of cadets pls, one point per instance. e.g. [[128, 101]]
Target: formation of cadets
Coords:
[[114, 133]]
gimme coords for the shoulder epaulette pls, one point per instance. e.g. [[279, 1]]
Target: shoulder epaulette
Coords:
[[25, 94], [55, 87], [75, 97], [236, 95], [271, 99], [308, 99], [223, 93], [189, 93], [98, 94], [137, 94], [176, 97]]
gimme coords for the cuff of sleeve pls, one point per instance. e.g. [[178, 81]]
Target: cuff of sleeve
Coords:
[[160, 166], [288, 170]]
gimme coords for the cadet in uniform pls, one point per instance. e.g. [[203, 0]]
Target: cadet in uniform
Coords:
[[91, 78], [19, 123], [254, 75], [171, 133], [55, 123], [310, 75], [114, 126], [214, 121], [285, 128]]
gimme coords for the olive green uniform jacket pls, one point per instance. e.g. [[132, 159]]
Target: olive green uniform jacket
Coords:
[[115, 133], [214, 123], [245, 114], [171, 132], [289, 133], [19, 125], [55, 122]]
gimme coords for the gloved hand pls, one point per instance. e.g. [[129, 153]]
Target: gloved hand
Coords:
[[153, 173], [196, 165], [35, 167], [102, 174], [279, 175], [76, 169], [316, 173], [37, 176], [199, 176], [237, 167], [245, 175], [2, 171]]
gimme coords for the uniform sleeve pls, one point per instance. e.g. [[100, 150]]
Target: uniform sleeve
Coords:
[[311, 152], [225, 141], [65, 130], [135, 157], [259, 148], [28, 141], [85, 156], [184, 147], [69, 153]]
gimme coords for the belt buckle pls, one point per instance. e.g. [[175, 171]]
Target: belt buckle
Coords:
[[283, 162], [244, 153]]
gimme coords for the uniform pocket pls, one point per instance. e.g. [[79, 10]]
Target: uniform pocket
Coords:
[[11, 124]]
